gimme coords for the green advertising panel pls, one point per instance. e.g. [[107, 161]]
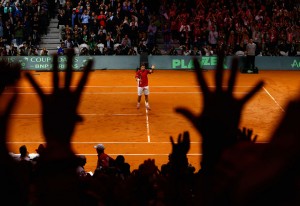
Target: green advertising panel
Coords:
[[210, 62], [44, 63]]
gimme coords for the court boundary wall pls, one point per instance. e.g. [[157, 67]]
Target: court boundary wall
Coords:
[[44, 63]]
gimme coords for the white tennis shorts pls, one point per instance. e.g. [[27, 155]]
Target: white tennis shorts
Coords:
[[142, 90]]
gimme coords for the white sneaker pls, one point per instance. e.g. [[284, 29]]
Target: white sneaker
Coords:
[[138, 105], [148, 107]]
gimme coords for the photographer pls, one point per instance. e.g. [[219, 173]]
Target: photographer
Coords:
[[156, 51], [131, 51], [173, 51], [142, 48], [84, 52], [44, 52], [33, 51]]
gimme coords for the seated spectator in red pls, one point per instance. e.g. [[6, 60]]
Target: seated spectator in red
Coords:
[[104, 160]]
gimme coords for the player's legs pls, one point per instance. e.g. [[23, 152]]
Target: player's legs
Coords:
[[147, 102], [138, 102], [146, 92], [140, 92]]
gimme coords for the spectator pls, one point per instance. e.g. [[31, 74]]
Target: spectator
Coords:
[[156, 51], [166, 31], [68, 42], [173, 51], [85, 18], [109, 42], [61, 23], [133, 32], [151, 34], [213, 37], [61, 49], [80, 169], [251, 53], [102, 19], [122, 167], [43, 22], [44, 52], [142, 47], [19, 33], [126, 42], [185, 32], [95, 51], [24, 155], [104, 161]]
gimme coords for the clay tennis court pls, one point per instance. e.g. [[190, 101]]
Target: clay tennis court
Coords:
[[110, 116]]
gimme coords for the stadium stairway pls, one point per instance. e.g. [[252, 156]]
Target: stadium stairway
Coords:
[[51, 40]]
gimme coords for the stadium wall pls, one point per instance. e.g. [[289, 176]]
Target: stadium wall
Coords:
[[44, 63]]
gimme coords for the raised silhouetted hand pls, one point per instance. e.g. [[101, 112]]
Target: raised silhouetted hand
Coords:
[[271, 178], [178, 157], [10, 176], [9, 75], [219, 120], [57, 180], [4, 120], [59, 108], [246, 135]]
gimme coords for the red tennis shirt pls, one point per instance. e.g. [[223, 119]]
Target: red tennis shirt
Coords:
[[143, 76]]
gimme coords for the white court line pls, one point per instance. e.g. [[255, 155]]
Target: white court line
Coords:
[[84, 114], [129, 86], [197, 92], [114, 142], [193, 154], [273, 99], [147, 125]]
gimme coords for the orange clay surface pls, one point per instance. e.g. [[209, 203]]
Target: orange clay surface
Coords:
[[108, 107]]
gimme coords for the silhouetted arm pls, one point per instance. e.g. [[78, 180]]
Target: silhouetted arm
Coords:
[[219, 120], [58, 181]]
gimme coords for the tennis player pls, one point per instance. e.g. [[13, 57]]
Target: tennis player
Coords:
[[141, 77]]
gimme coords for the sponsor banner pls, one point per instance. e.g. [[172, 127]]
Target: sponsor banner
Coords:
[[44, 63], [210, 62]]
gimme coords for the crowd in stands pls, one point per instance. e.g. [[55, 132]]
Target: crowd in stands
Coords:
[[22, 23], [235, 170], [200, 27], [172, 27]]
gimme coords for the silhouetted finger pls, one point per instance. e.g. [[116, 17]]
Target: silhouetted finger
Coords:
[[200, 77], [248, 96], [179, 138], [186, 136], [35, 85], [255, 138], [172, 140], [188, 114], [84, 78], [186, 140], [55, 73], [233, 73], [69, 72], [219, 73], [10, 106]]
